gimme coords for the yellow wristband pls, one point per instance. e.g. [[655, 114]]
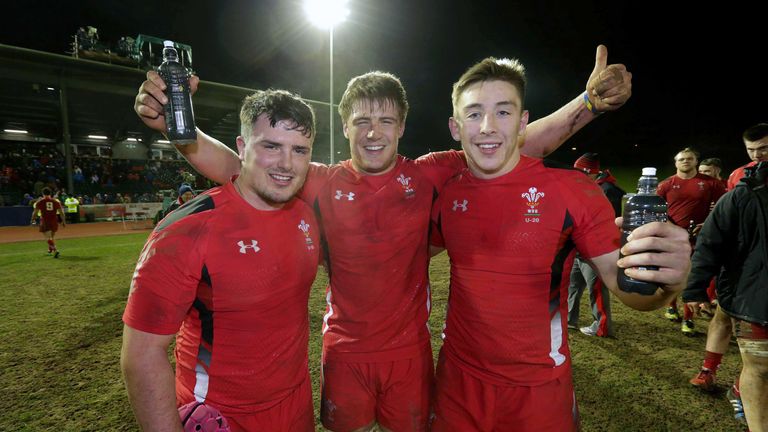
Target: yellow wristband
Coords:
[[589, 105]]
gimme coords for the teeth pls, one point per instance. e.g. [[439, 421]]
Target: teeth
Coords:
[[374, 148], [488, 146], [280, 177]]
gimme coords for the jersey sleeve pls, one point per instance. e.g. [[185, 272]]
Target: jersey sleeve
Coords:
[[594, 230], [441, 166], [166, 278], [435, 233], [734, 178], [718, 190], [663, 189], [316, 177]]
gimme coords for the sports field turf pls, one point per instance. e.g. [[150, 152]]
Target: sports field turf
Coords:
[[60, 333]]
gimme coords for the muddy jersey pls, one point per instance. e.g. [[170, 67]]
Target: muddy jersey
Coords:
[[690, 199], [234, 282], [511, 242], [375, 234]]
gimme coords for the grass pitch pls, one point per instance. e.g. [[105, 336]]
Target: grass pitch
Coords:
[[60, 333]]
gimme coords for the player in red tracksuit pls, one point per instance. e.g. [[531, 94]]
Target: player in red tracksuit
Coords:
[[689, 197], [50, 211], [511, 226], [230, 274]]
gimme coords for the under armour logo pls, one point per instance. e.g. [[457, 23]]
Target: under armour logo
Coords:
[[675, 186], [350, 196], [254, 245], [462, 206]]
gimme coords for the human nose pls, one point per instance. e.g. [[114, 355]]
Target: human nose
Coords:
[[374, 132], [286, 160], [488, 125]]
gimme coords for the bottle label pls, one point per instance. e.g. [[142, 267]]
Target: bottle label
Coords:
[[179, 118]]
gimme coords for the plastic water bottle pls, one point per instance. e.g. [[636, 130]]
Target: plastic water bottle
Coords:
[[179, 117], [642, 208]]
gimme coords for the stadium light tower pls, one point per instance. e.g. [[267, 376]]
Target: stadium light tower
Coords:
[[326, 14]]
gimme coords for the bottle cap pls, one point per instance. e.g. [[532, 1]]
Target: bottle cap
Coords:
[[168, 44], [649, 171]]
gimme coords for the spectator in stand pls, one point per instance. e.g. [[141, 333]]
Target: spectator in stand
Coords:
[[77, 175], [27, 199]]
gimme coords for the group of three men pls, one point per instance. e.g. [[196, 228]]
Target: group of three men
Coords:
[[232, 269]]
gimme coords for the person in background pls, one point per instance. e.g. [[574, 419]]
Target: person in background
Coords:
[[582, 274], [689, 195], [50, 212], [756, 143], [733, 245]]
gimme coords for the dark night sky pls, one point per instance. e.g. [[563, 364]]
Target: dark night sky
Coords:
[[698, 74]]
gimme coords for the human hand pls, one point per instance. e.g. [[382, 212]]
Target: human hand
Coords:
[[663, 245], [608, 86], [151, 98], [697, 229], [695, 307]]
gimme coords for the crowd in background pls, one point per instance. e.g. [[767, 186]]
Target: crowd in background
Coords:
[[25, 169]]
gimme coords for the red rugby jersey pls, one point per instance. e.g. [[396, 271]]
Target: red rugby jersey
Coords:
[[737, 174], [690, 199], [48, 207], [234, 282], [511, 243], [375, 234]]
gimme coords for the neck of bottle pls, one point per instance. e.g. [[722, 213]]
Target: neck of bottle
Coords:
[[647, 185], [169, 54]]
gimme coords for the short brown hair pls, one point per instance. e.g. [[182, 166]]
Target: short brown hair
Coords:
[[689, 150], [278, 105], [716, 162], [491, 69], [756, 132], [376, 86]]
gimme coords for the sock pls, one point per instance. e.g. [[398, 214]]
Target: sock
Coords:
[[712, 291], [687, 312], [712, 361], [51, 246]]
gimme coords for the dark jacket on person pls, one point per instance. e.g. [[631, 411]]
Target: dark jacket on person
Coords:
[[734, 242], [611, 190]]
